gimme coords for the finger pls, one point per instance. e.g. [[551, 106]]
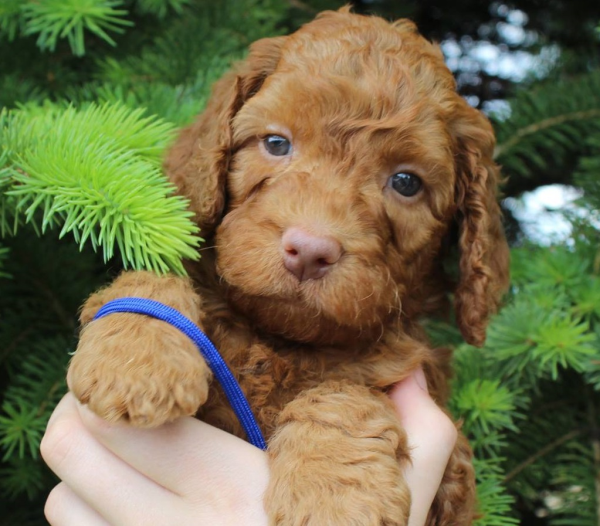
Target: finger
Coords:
[[172, 455], [431, 437], [103, 481], [423, 420], [65, 508]]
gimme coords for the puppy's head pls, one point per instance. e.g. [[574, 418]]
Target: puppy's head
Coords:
[[331, 166]]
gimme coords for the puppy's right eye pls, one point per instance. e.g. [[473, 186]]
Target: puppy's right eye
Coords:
[[277, 145], [406, 184]]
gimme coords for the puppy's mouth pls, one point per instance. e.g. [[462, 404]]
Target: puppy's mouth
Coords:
[[333, 308], [305, 284]]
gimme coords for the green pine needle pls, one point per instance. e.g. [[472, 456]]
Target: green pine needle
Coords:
[[21, 430], [592, 366], [548, 123], [485, 405], [177, 104], [41, 380], [575, 478], [509, 337], [10, 17], [563, 342], [4, 253], [531, 340], [493, 501], [131, 129], [8, 219], [494, 504], [22, 477], [160, 8], [550, 267], [56, 19], [588, 170]]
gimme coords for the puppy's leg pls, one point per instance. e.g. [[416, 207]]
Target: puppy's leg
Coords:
[[454, 504], [336, 461], [135, 367]]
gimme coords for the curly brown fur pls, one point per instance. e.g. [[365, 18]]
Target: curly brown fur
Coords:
[[360, 100]]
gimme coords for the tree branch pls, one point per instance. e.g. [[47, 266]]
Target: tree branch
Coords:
[[501, 149], [544, 451]]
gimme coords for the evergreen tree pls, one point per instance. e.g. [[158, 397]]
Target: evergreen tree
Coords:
[[92, 92]]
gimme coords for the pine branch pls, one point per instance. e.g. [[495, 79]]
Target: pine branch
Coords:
[[160, 8], [22, 476], [96, 173], [207, 37], [547, 125], [588, 172], [542, 452], [494, 504], [70, 19], [563, 341], [21, 430], [14, 344], [545, 329], [4, 253], [592, 370], [573, 487], [10, 18], [537, 127], [177, 104], [595, 439], [486, 406]]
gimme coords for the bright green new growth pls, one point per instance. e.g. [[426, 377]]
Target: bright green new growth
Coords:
[[96, 173]]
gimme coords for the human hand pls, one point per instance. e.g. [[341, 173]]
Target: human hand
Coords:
[[189, 473], [431, 438]]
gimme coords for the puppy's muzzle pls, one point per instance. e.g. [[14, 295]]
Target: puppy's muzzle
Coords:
[[309, 256]]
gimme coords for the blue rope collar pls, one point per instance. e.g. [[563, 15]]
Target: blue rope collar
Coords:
[[207, 349]]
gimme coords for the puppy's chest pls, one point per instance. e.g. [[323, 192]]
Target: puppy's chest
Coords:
[[270, 379]]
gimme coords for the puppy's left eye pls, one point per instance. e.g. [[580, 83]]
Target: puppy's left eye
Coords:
[[406, 184], [277, 145]]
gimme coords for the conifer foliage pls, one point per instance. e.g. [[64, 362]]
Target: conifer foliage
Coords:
[[91, 94]]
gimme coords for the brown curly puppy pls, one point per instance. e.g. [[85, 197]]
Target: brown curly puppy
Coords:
[[331, 173]]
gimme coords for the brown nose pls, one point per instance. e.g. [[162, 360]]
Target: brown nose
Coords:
[[308, 256]]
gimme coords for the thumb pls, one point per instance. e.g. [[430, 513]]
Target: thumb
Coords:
[[431, 439]]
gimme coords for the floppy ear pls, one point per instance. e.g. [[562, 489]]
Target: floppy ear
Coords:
[[484, 254], [199, 160]]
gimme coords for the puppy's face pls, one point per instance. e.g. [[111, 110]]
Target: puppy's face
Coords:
[[344, 160], [332, 164]]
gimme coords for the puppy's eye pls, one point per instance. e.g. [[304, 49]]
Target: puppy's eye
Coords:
[[406, 184], [277, 145]]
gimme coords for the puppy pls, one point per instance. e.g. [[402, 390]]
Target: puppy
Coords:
[[331, 173]]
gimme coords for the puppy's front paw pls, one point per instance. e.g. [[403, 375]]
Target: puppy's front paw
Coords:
[[139, 369], [336, 460], [348, 502]]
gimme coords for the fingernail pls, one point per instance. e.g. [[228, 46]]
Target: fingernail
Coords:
[[419, 377]]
